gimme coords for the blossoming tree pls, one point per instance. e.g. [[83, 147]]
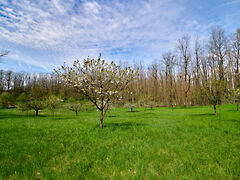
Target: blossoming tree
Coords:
[[99, 80]]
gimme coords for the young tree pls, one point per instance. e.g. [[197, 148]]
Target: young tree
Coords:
[[76, 107], [151, 104], [36, 105], [100, 81], [36, 100], [214, 89], [130, 106], [216, 86], [52, 103]]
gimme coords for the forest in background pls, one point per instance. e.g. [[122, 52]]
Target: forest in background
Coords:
[[193, 73]]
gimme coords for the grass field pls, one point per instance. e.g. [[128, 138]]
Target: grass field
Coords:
[[186, 143]]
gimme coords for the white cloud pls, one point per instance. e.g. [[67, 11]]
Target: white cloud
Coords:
[[92, 7], [77, 30], [58, 6], [18, 56], [41, 27]]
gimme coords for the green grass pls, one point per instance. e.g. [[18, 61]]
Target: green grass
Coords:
[[186, 143]]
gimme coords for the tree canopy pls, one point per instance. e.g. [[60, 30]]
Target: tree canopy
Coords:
[[99, 80]]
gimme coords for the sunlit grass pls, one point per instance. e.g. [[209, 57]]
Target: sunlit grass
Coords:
[[161, 143]]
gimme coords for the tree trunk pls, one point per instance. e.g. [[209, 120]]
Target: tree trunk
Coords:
[[186, 96], [101, 119], [76, 113], [237, 106], [36, 112], [52, 114], [131, 109], [215, 109]]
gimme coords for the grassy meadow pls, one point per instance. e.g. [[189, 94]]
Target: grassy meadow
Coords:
[[183, 143]]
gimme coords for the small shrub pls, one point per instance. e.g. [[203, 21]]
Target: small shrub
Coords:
[[130, 106], [76, 107]]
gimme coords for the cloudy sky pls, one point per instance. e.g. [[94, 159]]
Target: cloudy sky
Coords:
[[42, 34]]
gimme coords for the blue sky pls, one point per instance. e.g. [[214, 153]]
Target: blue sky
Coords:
[[42, 34]]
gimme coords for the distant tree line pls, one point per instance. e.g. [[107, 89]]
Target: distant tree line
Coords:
[[17, 87], [195, 72]]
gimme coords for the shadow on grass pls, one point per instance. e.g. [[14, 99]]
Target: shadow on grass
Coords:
[[115, 126], [56, 118], [231, 120], [111, 116], [133, 111], [124, 124], [203, 115], [23, 115], [233, 110], [8, 115]]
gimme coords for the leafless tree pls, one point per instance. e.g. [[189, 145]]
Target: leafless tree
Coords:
[[169, 61], [185, 57]]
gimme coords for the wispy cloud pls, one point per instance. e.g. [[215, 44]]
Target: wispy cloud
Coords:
[[73, 29]]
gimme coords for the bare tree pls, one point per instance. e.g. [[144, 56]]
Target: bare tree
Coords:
[[218, 49], [169, 61], [18, 82], [52, 103], [9, 78], [2, 81], [236, 54], [153, 75], [197, 52], [185, 57]]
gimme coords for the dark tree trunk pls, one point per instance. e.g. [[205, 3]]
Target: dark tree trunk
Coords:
[[36, 112], [53, 114], [215, 109], [76, 112], [101, 119], [237, 106], [131, 109]]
